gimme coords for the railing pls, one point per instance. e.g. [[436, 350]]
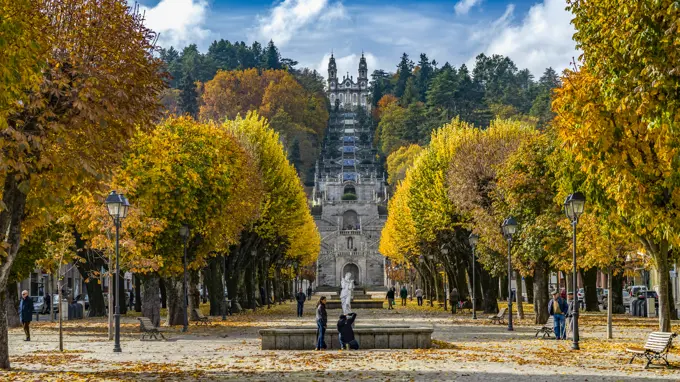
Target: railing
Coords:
[[350, 232]]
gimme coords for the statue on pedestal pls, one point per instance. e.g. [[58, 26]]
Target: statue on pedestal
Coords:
[[346, 294]]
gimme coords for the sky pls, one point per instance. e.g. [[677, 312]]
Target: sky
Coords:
[[535, 34]]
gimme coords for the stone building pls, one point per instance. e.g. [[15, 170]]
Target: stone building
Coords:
[[348, 94], [349, 196]]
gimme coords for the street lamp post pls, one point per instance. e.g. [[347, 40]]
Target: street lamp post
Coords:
[[509, 229], [225, 302], [445, 252], [573, 208], [117, 205], [473, 243], [184, 233], [266, 279]]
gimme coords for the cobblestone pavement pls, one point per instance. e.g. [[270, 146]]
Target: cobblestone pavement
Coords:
[[465, 350]]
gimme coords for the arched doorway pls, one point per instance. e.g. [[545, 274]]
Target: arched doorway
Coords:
[[350, 220], [353, 269]]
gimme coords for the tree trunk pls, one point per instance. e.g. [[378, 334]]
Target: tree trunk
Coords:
[[151, 307], [213, 281], [489, 293], [529, 283], [11, 216], [541, 293], [590, 290], [96, 297], [138, 294], [659, 251], [671, 301], [503, 288], [518, 295], [89, 269], [616, 291], [175, 303], [664, 279], [609, 305], [4, 340], [12, 305], [194, 295], [164, 293], [249, 281], [121, 289]]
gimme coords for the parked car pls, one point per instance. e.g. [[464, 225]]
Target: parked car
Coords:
[[626, 299], [581, 297], [636, 289], [85, 299], [38, 304]]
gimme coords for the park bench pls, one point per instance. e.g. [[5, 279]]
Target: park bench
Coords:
[[498, 318], [147, 328], [656, 348], [201, 319], [547, 328]]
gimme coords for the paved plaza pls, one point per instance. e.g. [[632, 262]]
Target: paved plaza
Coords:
[[465, 350]]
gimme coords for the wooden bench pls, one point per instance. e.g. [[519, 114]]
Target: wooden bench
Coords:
[[147, 328], [201, 319], [498, 318], [656, 348], [547, 328]]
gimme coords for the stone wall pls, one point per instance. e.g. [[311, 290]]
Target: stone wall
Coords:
[[394, 337]]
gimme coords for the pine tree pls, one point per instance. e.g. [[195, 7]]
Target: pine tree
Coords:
[[294, 155], [188, 97], [441, 95], [424, 76], [271, 59], [410, 94], [404, 72], [541, 106]]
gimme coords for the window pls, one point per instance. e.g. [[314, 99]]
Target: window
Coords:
[[332, 98], [354, 98]]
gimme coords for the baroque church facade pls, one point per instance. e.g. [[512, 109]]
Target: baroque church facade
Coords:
[[349, 196], [348, 94]]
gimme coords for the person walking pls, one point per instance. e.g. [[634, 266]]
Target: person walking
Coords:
[[301, 298], [455, 299], [419, 296], [403, 293], [557, 308], [321, 321], [390, 298], [346, 332], [309, 292], [26, 313], [263, 297]]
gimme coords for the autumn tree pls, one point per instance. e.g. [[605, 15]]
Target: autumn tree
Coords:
[[472, 177], [618, 113], [293, 111], [198, 174], [99, 81], [284, 219]]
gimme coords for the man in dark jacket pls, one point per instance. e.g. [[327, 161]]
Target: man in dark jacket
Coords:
[[26, 313], [309, 292], [557, 308], [346, 332], [403, 293], [300, 297], [390, 298]]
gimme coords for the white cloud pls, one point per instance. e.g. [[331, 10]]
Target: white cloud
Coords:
[[348, 64], [463, 6], [542, 39], [289, 17], [179, 22]]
